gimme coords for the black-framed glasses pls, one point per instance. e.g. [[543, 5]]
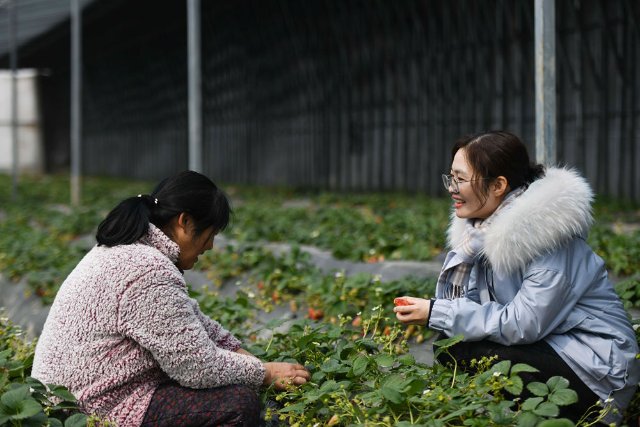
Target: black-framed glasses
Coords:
[[453, 183]]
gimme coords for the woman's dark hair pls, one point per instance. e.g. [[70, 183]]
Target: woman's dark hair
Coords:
[[497, 153], [188, 191]]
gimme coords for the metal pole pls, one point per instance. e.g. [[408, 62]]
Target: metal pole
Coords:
[[76, 99], [13, 59], [545, 63], [195, 79]]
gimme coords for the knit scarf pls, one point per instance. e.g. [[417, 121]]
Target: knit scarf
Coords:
[[454, 277]]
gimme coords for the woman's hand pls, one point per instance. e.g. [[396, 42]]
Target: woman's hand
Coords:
[[415, 312], [283, 375]]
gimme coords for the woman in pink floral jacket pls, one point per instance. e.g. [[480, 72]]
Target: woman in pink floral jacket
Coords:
[[125, 337]]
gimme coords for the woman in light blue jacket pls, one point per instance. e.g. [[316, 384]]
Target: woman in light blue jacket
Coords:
[[520, 280]]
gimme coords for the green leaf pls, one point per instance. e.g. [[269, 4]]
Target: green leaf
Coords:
[[384, 360], [360, 364], [538, 389], [407, 359], [37, 420], [557, 382], [318, 376], [297, 408], [331, 365], [76, 420], [392, 388], [394, 380], [4, 378], [547, 409], [560, 422], [531, 403], [563, 397], [502, 367], [528, 419], [392, 394], [312, 395], [522, 367], [372, 398], [469, 409], [516, 387], [369, 344], [54, 422], [35, 385], [27, 408], [448, 342], [16, 368], [12, 398], [415, 386], [64, 394], [329, 386]]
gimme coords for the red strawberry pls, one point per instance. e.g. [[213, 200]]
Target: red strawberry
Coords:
[[401, 301], [315, 314]]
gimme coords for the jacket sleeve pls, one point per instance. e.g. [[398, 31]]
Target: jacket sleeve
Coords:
[[543, 302], [158, 314], [222, 337]]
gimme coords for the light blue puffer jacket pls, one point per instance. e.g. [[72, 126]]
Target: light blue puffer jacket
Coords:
[[540, 280]]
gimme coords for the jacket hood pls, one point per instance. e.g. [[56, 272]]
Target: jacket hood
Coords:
[[552, 211]]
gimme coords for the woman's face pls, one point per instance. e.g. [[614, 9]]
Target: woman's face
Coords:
[[192, 246], [466, 203]]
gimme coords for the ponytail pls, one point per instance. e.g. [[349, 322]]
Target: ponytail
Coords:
[[189, 192], [127, 222], [536, 171]]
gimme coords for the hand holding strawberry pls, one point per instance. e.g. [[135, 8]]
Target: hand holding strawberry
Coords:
[[412, 311]]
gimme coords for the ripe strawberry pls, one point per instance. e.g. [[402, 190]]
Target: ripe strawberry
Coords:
[[357, 321], [400, 301], [315, 314]]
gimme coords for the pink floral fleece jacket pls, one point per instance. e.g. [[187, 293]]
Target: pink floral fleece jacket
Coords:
[[122, 323]]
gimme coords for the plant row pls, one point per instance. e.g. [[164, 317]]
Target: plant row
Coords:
[[39, 232], [362, 371], [361, 376]]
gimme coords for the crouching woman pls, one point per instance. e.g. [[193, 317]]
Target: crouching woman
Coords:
[[520, 281], [125, 337]]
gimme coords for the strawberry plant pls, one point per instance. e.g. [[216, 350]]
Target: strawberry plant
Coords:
[[358, 227], [629, 291], [365, 377], [621, 251], [25, 401], [290, 278]]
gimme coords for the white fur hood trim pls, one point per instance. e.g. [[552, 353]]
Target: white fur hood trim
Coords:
[[554, 209]]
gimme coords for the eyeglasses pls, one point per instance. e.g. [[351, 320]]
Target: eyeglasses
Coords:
[[452, 182]]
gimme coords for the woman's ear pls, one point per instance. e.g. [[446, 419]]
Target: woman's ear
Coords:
[[183, 221], [179, 226], [500, 186]]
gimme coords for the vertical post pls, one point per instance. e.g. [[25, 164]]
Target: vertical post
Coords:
[[545, 67], [76, 99], [13, 59], [195, 78]]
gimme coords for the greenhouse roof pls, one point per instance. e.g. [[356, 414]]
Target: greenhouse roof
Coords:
[[34, 18]]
